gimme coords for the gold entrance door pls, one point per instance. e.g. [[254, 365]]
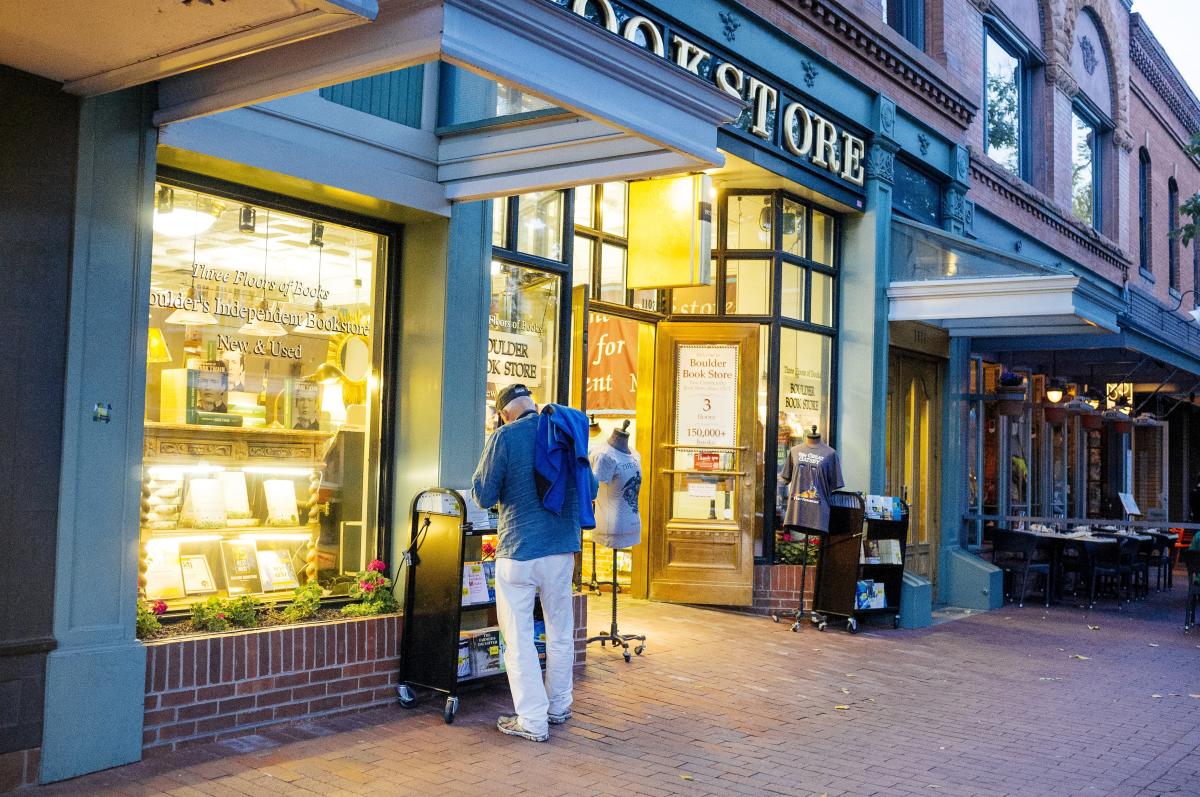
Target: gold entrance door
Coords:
[[701, 535], [914, 429]]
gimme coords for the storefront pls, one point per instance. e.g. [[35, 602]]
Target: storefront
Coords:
[[320, 303]]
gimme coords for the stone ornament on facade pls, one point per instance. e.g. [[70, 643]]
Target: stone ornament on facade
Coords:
[[887, 117], [962, 164], [953, 204], [729, 25], [923, 141], [1059, 76], [880, 163], [1063, 16], [1089, 55], [810, 73]]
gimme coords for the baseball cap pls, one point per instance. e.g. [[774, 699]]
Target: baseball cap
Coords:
[[509, 393]]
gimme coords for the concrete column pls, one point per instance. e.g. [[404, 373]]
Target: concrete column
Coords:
[[95, 679], [863, 333], [442, 365]]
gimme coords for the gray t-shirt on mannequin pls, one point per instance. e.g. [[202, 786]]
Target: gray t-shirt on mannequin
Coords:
[[618, 524], [812, 472]]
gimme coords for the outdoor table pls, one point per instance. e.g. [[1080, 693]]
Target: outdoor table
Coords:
[[1051, 543]]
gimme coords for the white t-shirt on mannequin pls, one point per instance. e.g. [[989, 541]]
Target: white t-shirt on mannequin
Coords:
[[618, 524]]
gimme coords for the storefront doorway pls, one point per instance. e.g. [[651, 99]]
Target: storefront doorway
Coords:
[[704, 464], [914, 432]]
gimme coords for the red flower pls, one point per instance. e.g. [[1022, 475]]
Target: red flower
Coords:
[[367, 586], [489, 549], [786, 536], [377, 566], [159, 606], [220, 615]]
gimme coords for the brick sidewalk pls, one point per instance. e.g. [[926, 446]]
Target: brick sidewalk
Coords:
[[1017, 701]]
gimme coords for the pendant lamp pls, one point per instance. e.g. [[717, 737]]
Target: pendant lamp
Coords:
[[156, 347], [260, 326]]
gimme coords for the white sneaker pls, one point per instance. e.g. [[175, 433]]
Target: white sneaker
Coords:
[[511, 725]]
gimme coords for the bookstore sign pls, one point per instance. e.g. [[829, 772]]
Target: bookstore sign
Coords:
[[804, 134]]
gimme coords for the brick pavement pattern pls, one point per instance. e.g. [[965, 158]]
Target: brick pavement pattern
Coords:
[[1018, 701]]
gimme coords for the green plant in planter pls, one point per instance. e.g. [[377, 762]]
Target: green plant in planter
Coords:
[[147, 618], [373, 590], [221, 614], [305, 603], [789, 548]]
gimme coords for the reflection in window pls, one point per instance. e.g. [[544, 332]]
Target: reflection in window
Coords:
[[804, 378], [522, 332], [822, 238], [1144, 210], [750, 220], [748, 287], [1083, 169], [822, 299], [793, 228], [500, 222], [700, 300], [612, 274], [1172, 234], [265, 353], [539, 224], [581, 269], [906, 17], [585, 203], [793, 292], [613, 209], [1003, 97]]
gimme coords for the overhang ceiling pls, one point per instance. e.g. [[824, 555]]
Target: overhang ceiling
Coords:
[[96, 46]]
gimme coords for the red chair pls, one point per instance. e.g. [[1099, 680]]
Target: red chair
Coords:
[[1183, 541]]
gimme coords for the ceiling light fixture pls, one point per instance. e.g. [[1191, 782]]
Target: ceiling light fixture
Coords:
[[261, 325], [176, 222], [1055, 390]]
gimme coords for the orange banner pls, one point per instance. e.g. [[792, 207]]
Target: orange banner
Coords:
[[612, 363]]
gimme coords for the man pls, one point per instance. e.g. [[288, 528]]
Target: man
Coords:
[[535, 555]]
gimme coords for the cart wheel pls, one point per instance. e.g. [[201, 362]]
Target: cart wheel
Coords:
[[639, 649], [775, 618], [796, 626], [821, 626], [852, 625], [450, 709], [406, 696], [628, 658], [896, 621]]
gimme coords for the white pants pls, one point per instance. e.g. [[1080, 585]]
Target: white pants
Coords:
[[516, 584]]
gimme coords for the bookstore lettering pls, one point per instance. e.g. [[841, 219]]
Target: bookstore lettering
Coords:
[[805, 133]]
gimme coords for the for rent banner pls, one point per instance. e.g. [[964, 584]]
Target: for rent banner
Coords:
[[612, 363]]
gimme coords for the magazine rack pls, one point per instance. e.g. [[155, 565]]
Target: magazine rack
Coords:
[[442, 540], [841, 567]]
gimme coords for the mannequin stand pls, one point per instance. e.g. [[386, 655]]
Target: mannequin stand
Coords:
[[613, 636], [594, 585], [798, 614]]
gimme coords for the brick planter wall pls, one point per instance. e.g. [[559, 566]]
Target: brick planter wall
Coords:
[[777, 588], [201, 689], [19, 769]]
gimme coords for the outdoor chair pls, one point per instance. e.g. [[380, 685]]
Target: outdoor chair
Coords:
[[1015, 552], [1113, 562], [1192, 560], [1075, 563], [1140, 567], [1159, 559]]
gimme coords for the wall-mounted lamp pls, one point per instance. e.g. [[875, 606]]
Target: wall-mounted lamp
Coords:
[[247, 218], [1055, 390]]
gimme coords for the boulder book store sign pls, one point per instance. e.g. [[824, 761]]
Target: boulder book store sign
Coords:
[[805, 133]]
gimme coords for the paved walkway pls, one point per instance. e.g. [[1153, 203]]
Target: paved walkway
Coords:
[[1017, 701]]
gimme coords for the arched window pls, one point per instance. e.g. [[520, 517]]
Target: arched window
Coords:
[[1144, 210], [1172, 234]]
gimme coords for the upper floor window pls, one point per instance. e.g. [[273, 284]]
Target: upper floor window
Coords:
[[1004, 99], [602, 246], [1085, 168], [908, 18], [1172, 234], [1144, 210]]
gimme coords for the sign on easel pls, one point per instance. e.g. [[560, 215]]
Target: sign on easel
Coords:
[[1130, 505]]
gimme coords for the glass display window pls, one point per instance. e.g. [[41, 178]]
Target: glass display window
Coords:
[[523, 320], [263, 411]]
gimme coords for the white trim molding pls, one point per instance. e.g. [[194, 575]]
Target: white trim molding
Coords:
[[1003, 306]]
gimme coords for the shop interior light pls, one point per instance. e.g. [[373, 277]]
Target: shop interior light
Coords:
[[177, 539], [247, 219], [179, 471], [263, 327], [281, 536], [191, 318], [265, 470], [1093, 396], [333, 402], [156, 347], [178, 222]]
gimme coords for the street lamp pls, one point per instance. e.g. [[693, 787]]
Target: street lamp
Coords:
[[1055, 390], [1194, 312]]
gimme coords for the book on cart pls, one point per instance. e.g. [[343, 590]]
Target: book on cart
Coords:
[[474, 585], [889, 551]]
